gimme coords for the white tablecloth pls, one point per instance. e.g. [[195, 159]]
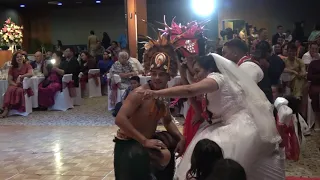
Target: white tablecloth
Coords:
[[3, 89]]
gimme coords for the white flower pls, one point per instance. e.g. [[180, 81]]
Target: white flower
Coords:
[[165, 67]]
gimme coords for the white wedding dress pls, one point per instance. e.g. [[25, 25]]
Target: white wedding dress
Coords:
[[237, 133]]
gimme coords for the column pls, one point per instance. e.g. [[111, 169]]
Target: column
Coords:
[[136, 10]]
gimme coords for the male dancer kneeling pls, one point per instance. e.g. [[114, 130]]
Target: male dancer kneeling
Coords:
[[140, 153]]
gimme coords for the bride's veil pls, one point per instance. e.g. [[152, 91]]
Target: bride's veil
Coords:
[[255, 100]]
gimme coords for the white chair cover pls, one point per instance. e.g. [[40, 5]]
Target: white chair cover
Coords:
[[63, 101], [35, 88], [116, 79], [26, 84], [94, 90], [77, 101], [311, 116]]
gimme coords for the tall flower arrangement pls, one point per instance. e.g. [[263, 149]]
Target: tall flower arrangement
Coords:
[[11, 34]]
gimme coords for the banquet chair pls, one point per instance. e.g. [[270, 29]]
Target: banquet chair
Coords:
[[310, 116], [77, 101], [35, 81], [94, 90], [62, 99], [120, 92], [26, 84]]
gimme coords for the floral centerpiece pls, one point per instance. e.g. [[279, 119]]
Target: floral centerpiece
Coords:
[[11, 34]]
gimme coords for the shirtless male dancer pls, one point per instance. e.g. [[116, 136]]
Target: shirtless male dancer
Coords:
[[140, 152]]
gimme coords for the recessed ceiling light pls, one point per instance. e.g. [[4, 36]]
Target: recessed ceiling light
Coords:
[[59, 4], [98, 2], [22, 5]]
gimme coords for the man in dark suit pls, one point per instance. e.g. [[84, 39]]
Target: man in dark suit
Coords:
[[278, 35], [73, 65]]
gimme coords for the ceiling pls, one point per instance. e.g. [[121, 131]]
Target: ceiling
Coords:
[[66, 3]]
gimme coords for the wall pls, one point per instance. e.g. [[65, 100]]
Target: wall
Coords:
[[5, 13], [72, 26], [270, 13]]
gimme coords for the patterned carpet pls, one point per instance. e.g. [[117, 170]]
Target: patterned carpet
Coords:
[[94, 113]]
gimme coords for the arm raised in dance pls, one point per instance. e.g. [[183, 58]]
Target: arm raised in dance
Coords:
[[207, 85]]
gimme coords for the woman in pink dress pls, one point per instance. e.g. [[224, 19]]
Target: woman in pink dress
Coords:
[[14, 97], [53, 72]]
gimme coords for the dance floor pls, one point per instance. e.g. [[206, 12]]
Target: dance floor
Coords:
[[77, 145]]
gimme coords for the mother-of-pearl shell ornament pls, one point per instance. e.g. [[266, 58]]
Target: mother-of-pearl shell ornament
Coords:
[[160, 59]]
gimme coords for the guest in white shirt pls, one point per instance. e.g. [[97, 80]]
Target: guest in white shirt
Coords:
[[38, 63], [136, 65], [312, 54], [236, 50]]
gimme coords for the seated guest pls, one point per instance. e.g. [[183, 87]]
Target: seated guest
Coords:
[[53, 72], [115, 49], [314, 89], [300, 49], [312, 54], [104, 65], [135, 83], [277, 49], [25, 55], [87, 63], [98, 51], [284, 51], [14, 96], [48, 55], [227, 169], [297, 71], [73, 65], [204, 156], [124, 69], [136, 65], [38, 63]]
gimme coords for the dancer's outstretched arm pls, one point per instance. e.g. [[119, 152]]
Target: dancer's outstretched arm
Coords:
[[207, 85]]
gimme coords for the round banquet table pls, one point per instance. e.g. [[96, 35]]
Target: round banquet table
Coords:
[[3, 89]]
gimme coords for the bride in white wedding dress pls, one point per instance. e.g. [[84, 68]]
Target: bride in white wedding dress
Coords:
[[242, 125]]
